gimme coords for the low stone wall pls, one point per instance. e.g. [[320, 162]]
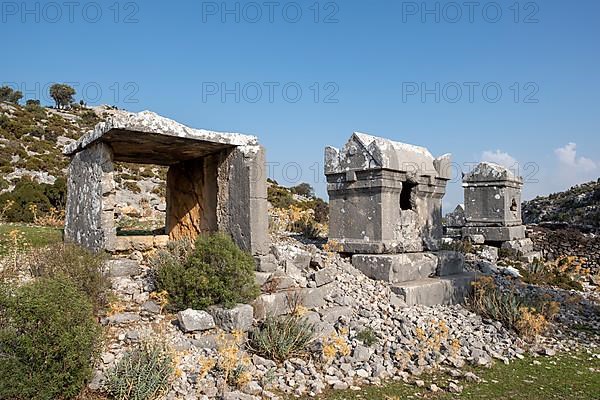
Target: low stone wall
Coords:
[[554, 243], [127, 244]]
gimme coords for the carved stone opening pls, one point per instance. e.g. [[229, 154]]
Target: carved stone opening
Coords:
[[215, 182], [406, 196]]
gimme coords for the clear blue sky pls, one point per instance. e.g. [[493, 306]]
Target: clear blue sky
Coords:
[[369, 56]]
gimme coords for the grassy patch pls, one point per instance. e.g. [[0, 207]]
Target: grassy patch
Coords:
[[562, 377], [34, 236]]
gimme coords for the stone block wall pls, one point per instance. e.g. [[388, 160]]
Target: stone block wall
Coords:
[[566, 242]]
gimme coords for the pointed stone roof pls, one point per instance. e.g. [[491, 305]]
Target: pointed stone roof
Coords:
[[491, 172], [364, 151]]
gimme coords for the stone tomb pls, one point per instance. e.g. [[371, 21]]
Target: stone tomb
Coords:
[[454, 222], [215, 182], [386, 210], [493, 208]]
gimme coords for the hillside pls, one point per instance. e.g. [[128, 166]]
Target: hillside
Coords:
[[576, 207], [33, 171], [31, 163]]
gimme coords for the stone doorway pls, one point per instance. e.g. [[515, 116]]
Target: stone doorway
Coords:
[[215, 182]]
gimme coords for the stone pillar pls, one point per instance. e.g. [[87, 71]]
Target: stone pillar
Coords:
[[192, 198], [244, 201], [89, 216]]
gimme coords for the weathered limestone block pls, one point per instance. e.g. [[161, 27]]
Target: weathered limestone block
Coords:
[[195, 320], [324, 276], [488, 253], [240, 318], [247, 218], [284, 302], [450, 263], [432, 291], [496, 234], [89, 217], [274, 304], [266, 263], [122, 267], [523, 246], [396, 268]]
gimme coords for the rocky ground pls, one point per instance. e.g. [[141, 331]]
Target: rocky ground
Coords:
[[366, 334]]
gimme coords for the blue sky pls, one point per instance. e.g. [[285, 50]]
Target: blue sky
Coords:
[[426, 73]]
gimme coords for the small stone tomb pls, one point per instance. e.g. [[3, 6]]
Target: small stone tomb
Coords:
[[215, 182], [493, 208], [386, 210]]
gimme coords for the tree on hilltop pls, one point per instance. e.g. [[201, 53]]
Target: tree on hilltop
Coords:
[[62, 94], [10, 95]]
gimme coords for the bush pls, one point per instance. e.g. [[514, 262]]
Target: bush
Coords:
[[215, 272], [367, 336], [82, 267], [281, 338], [142, 374], [527, 317], [48, 338], [551, 274], [279, 197], [28, 193]]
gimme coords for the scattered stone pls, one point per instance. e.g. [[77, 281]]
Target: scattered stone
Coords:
[[547, 351], [124, 318], [122, 267], [361, 354], [454, 388], [194, 320], [471, 377], [107, 358], [151, 307], [240, 318], [324, 276]]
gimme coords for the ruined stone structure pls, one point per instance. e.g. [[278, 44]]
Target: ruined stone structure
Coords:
[[385, 196], [454, 222], [216, 181], [386, 210], [493, 208]]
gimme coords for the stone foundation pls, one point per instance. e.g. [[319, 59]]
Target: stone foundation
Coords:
[[496, 233]]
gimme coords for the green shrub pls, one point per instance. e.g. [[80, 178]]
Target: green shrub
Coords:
[[550, 274], [132, 186], [526, 316], [72, 262], [367, 336], [215, 272], [142, 374], [280, 338], [48, 338], [27, 193], [279, 197]]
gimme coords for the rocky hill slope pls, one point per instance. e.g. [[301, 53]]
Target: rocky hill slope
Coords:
[[576, 207], [31, 141]]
